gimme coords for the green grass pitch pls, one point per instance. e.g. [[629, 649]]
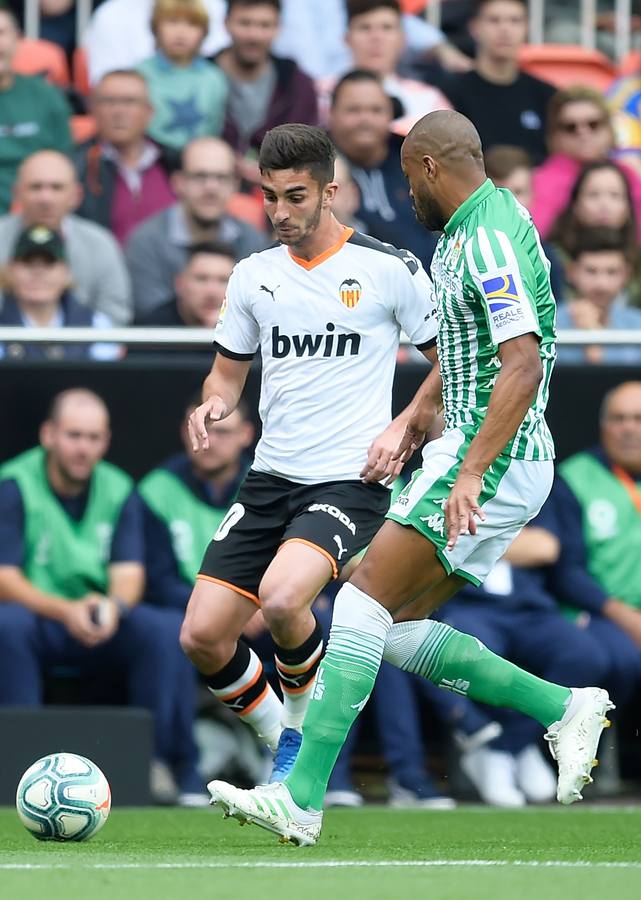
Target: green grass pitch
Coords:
[[164, 854]]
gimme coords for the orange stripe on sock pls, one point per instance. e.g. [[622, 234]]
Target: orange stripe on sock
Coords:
[[242, 690], [232, 587], [328, 556], [253, 705]]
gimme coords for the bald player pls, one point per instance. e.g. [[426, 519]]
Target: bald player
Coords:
[[47, 192], [480, 483]]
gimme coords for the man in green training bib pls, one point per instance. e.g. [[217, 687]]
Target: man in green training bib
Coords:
[[184, 503], [480, 483], [597, 500], [71, 579]]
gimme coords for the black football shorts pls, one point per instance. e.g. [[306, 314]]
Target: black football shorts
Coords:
[[338, 518]]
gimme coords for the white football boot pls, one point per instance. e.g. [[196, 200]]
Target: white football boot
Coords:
[[271, 807], [573, 743]]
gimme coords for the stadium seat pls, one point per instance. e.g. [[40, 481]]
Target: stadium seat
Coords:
[[35, 57], [566, 64], [80, 68], [630, 64], [83, 128]]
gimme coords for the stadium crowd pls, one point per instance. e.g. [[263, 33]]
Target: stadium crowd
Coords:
[[127, 194]]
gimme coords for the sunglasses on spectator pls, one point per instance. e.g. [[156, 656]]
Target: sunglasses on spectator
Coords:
[[575, 127]]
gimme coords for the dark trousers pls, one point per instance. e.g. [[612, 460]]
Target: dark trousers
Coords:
[[624, 657], [144, 656]]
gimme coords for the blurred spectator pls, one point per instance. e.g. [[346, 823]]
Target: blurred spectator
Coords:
[[199, 290], [185, 500], [579, 132], [348, 197], [359, 125], [188, 93], [375, 37], [511, 168], [313, 33], [38, 295], [264, 90], [624, 98], [57, 20], [71, 579], [46, 193], [598, 501], [598, 272], [119, 35], [157, 249], [506, 105], [33, 114], [601, 197], [515, 614], [125, 176]]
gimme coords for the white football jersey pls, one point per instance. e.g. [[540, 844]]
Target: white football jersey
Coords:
[[328, 330]]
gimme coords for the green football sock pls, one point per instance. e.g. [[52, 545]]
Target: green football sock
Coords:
[[461, 663], [343, 684]]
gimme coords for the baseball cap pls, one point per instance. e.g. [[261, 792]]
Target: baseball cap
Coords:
[[39, 241]]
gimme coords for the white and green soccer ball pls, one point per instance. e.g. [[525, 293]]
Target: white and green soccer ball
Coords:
[[63, 797]]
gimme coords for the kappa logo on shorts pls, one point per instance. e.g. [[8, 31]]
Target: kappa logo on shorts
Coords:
[[336, 513], [436, 522]]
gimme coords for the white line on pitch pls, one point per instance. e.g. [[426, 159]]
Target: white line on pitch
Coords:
[[332, 864]]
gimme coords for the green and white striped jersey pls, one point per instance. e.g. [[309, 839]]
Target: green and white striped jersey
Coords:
[[491, 280]]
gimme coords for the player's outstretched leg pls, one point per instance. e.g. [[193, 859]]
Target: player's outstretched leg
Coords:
[[574, 718]]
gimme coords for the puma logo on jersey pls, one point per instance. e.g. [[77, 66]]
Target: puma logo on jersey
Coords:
[[341, 550], [325, 345], [270, 292]]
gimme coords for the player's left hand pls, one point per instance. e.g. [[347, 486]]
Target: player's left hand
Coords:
[[462, 507], [382, 464]]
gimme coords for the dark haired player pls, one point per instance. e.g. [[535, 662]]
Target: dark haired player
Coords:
[[326, 307], [481, 482]]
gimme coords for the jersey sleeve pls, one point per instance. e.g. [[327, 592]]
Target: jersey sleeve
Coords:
[[505, 282], [237, 333], [414, 302]]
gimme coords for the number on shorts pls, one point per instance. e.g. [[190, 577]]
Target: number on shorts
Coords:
[[234, 515]]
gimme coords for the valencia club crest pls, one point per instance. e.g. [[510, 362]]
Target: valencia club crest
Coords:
[[350, 292]]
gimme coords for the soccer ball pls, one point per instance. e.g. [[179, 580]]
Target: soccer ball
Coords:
[[63, 797]]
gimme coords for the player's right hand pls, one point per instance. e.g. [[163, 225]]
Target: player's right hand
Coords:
[[214, 408]]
